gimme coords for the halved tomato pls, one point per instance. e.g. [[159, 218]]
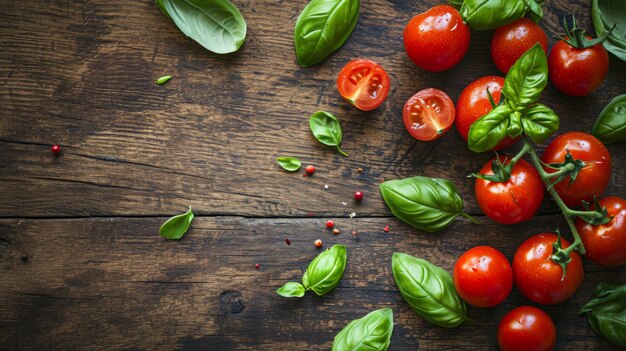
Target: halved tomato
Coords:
[[363, 83], [429, 114]]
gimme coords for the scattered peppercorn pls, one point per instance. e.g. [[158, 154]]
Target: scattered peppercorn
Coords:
[[359, 170], [287, 241], [386, 229], [257, 266], [358, 196], [310, 169], [354, 233], [318, 243], [336, 231], [56, 149], [330, 224]]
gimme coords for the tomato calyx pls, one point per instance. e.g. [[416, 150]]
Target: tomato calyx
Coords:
[[560, 255], [577, 38], [569, 167], [501, 171], [595, 216]]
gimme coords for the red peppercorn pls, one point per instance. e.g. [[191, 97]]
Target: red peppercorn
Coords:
[[56, 149], [318, 243], [336, 231], [330, 224], [287, 241], [386, 229], [358, 196], [257, 266], [310, 169]]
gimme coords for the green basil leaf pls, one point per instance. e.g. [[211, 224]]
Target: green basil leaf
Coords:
[[456, 3], [215, 24], [291, 289], [491, 14], [369, 333], [428, 204], [490, 129], [326, 129], [429, 290], [326, 270], [536, 12], [610, 127], [290, 164], [163, 80], [323, 27], [175, 227], [606, 312], [526, 79], [608, 13], [539, 122]]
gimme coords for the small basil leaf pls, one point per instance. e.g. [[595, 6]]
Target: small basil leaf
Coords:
[[456, 3], [215, 24], [608, 13], [610, 127], [539, 122], [428, 204], [536, 12], [429, 290], [290, 164], [526, 79], [491, 14], [326, 270], [490, 129], [323, 27], [606, 312], [291, 289], [175, 227], [163, 80], [369, 333], [326, 129]]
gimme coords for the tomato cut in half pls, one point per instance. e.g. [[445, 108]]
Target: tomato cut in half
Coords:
[[363, 83], [429, 114]]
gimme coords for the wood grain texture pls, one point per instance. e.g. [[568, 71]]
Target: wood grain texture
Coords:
[[115, 284], [81, 74]]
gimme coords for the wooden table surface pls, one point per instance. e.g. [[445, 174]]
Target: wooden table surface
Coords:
[[81, 263]]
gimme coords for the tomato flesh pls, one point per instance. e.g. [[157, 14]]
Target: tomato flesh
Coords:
[[428, 115], [483, 276], [605, 244], [526, 328], [364, 84]]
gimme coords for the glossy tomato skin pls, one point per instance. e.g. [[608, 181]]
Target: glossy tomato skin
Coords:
[[605, 244], [511, 41], [592, 179], [428, 114], [474, 103], [483, 276], [538, 278], [513, 201], [364, 84], [577, 72], [437, 39], [526, 328]]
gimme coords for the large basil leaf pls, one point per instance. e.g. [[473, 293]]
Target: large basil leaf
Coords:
[[491, 14], [215, 24], [326, 129], [429, 290], [489, 130], [326, 270], [605, 14], [606, 312], [526, 79], [323, 27], [175, 227], [428, 204], [611, 124], [539, 122], [369, 333]]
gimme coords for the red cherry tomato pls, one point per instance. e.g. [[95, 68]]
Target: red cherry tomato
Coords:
[[510, 42], [538, 277], [474, 103], [577, 72], [363, 83], [437, 39], [592, 179], [513, 201], [526, 328], [483, 276], [428, 114], [605, 244]]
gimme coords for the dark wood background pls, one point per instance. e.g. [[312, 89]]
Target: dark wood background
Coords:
[[81, 263]]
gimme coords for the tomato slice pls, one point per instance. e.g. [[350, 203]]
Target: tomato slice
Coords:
[[429, 114], [363, 83]]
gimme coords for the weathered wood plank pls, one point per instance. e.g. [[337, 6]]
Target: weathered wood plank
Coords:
[[81, 73], [115, 284]]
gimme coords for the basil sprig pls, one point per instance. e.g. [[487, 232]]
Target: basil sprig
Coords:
[[322, 275], [610, 127], [323, 27], [369, 333], [609, 17], [606, 312], [175, 227], [520, 113], [290, 164], [215, 24], [326, 129], [429, 290], [428, 204], [491, 14]]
